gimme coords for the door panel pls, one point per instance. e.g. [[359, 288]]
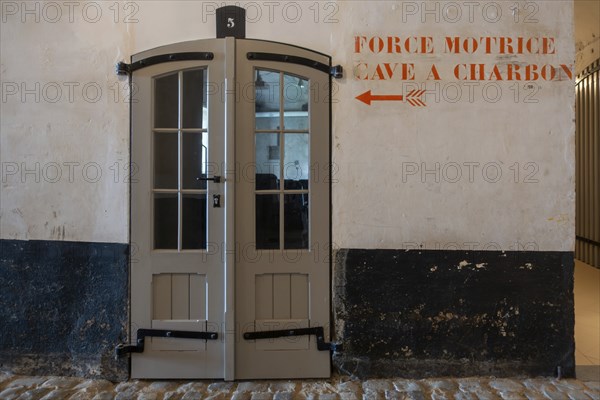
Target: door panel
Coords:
[[176, 282], [282, 212], [255, 258]]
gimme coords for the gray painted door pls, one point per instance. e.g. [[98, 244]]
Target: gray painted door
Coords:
[[257, 261], [282, 212], [177, 276]]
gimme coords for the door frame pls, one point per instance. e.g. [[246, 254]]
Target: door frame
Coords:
[[192, 50]]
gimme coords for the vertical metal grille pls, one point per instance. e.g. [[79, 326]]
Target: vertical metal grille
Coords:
[[587, 228]]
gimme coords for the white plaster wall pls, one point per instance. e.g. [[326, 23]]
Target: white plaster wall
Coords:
[[375, 206], [67, 121], [376, 203]]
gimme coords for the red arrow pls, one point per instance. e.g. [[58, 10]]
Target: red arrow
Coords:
[[413, 98], [367, 97]]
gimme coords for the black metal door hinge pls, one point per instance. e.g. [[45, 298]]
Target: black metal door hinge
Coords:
[[337, 71], [318, 331], [122, 68], [123, 349]]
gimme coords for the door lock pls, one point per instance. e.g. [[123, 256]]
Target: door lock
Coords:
[[216, 200], [215, 179]]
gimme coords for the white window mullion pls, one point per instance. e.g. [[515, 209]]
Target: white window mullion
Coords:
[[179, 162], [281, 162]]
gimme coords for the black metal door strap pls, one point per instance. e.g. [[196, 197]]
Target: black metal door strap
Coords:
[[318, 331], [126, 69], [335, 71], [122, 68], [123, 349]]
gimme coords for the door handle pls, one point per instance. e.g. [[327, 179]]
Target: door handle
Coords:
[[215, 179]]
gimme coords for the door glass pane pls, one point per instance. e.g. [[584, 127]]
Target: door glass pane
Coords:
[[295, 102], [296, 221], [165, 160], [296, 121], [194, 150], [193, 221], [165, 221], [267, 221], [268, 121], [194, 99], [267, 161], [267, 88], [296, 161], [166, 101]]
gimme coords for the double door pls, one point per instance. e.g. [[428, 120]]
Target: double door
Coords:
[[230, 210]]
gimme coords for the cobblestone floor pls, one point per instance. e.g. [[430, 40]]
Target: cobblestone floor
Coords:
[[341, 388]]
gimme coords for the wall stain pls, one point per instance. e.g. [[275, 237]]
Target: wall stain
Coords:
[[58, 232]]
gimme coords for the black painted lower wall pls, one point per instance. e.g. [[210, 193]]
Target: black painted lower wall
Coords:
[[63, 308], [426, 313], [419, 313]]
